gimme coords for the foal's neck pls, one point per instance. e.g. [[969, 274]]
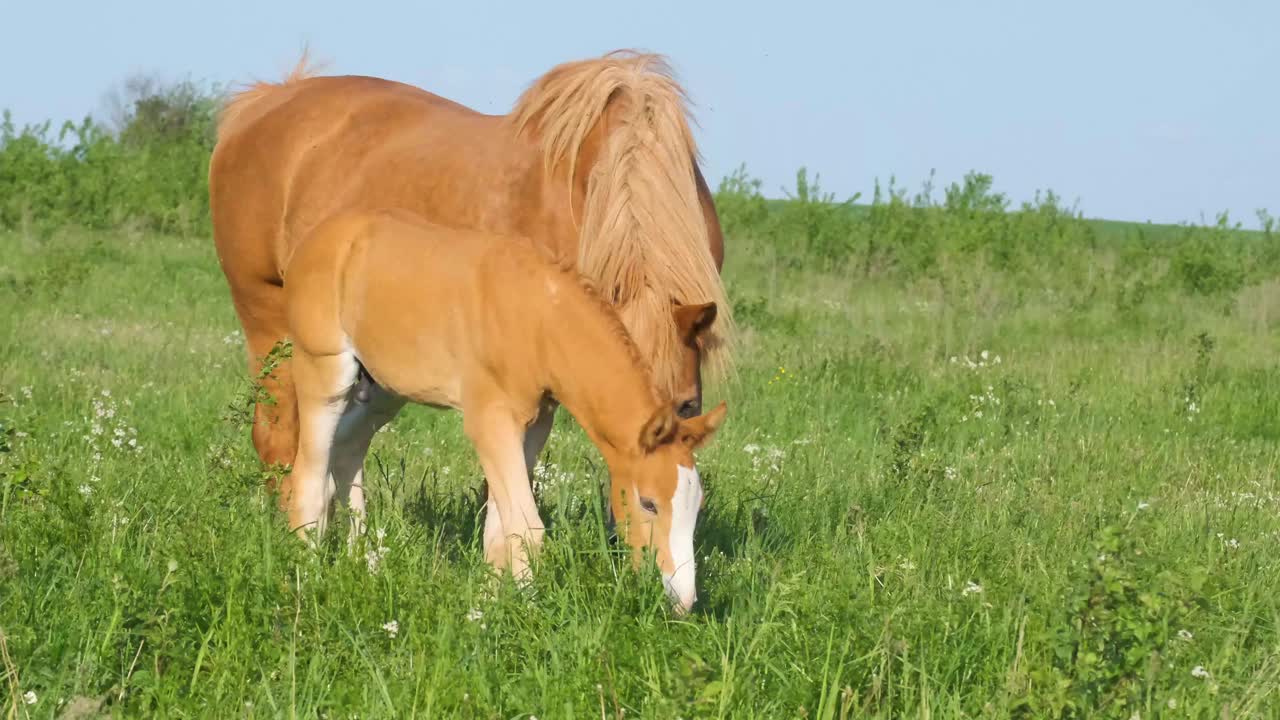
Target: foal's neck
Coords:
[[595, 370]]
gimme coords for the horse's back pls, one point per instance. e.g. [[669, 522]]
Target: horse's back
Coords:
[[298, 153]]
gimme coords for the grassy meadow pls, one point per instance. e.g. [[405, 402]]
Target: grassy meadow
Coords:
[[981, 461]]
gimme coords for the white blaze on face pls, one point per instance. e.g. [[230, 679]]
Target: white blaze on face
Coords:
[[685, 503]]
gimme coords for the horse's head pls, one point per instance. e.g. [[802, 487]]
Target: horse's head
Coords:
[[691, 321], [657, 494]]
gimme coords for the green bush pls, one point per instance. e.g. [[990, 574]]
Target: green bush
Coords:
[[147, 168], [151, 172], [908, 237]]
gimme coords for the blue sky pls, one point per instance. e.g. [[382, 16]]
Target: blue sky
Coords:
[[1165, 111]]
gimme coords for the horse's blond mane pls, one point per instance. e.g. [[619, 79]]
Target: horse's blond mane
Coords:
[[236, 104], [643, 238]]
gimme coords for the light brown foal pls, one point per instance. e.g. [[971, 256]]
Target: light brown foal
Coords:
[[491, 327]]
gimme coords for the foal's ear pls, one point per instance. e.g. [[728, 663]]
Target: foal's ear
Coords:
[[697, 432], [658, 429], [693, 320]]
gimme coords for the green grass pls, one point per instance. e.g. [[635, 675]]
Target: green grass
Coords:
[[1033, 476]]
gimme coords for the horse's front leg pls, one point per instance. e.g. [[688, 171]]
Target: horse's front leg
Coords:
[[536, 435], [370, 408]]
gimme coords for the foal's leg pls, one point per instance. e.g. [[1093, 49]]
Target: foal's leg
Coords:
[[351, 444], [535, 439], [323, 384], [499, 441]]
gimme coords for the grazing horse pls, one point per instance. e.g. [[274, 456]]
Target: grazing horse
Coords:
[[476, 322], [595, 163]]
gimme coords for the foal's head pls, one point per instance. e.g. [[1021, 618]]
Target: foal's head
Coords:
[[657, 494]]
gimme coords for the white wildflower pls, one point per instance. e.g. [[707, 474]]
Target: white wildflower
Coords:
[[971, 588], [751, 448], [1199, 672], [29, 697], [373, 559], [1143, 505], [474, 614], [392, 628], [85, 490], [1185, 635]]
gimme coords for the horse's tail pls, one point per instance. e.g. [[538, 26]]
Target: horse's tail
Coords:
[[237, 103]]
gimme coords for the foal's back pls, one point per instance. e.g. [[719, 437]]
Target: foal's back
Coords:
[[421, 305]]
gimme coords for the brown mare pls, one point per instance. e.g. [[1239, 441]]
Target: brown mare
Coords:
[[476, 322], [596, 163]]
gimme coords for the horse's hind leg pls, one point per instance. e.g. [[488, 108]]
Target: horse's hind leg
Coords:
[[323, 384], [369, 409], [261, 307]]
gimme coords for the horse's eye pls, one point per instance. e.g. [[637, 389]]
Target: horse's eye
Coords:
[[648, 505], [689, 409]]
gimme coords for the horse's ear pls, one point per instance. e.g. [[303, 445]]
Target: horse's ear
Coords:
[[658, 428], [697, 432], [693, 320]]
